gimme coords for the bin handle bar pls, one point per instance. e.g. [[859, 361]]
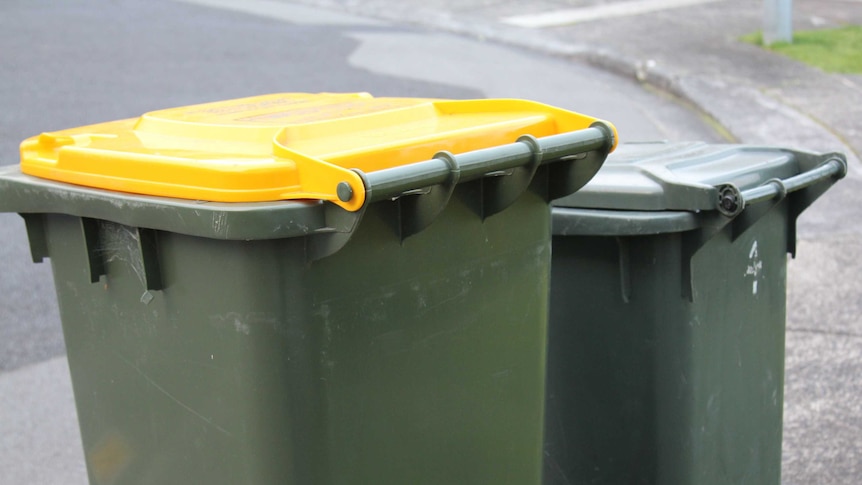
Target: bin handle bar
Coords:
[[393, 182], [732, 201]]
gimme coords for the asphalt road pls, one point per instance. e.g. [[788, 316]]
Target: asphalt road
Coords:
[[77, 62]]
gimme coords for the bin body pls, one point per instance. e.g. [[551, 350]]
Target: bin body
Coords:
[[383, 363], [666, 334], [400, 339]]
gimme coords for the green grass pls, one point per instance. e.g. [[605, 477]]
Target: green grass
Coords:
[[833, 50]]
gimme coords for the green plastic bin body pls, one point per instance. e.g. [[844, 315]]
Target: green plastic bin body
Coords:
[[299, 343], [666, 334], [383, 363]]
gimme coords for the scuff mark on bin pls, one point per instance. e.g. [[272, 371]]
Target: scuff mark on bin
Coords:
[[241, 327], [243, 323], [464, 290], [220, 222], [171, 396], [120, 243], [324, 311]]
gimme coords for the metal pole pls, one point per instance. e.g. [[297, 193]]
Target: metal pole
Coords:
[[777, 21]]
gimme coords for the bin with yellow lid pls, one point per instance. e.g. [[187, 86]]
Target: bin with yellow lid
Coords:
[[296, 288]]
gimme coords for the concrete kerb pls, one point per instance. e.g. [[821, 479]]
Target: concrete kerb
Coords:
[[643, 71], [741, 113]]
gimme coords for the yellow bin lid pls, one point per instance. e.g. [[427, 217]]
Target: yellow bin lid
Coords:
[[280, 146]]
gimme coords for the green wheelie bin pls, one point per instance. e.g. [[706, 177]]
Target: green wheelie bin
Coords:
[[667, 321], [307, 289]]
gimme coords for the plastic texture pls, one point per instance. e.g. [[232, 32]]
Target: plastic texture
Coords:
[[236, 361], [695, 176], [282, 146], [666, 330], [303, 341]]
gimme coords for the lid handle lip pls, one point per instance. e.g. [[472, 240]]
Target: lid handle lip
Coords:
[[472, 165], [319, 179], [731, 201]]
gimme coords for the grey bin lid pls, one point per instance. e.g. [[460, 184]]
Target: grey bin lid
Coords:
[[659, 187], [678, 176]]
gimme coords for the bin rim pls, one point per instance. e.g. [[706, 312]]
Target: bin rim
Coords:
[[26, 194], [568, 221]]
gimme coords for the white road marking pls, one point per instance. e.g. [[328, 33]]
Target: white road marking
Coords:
[[569, 16], [295, 14]]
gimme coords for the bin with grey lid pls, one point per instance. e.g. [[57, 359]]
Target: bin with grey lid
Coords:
[[666, 331]]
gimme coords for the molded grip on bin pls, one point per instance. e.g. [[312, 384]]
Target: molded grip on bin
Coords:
[[35, 224]]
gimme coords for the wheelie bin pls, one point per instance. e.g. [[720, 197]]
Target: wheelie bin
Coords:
[[301, 289], [666, 333]]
